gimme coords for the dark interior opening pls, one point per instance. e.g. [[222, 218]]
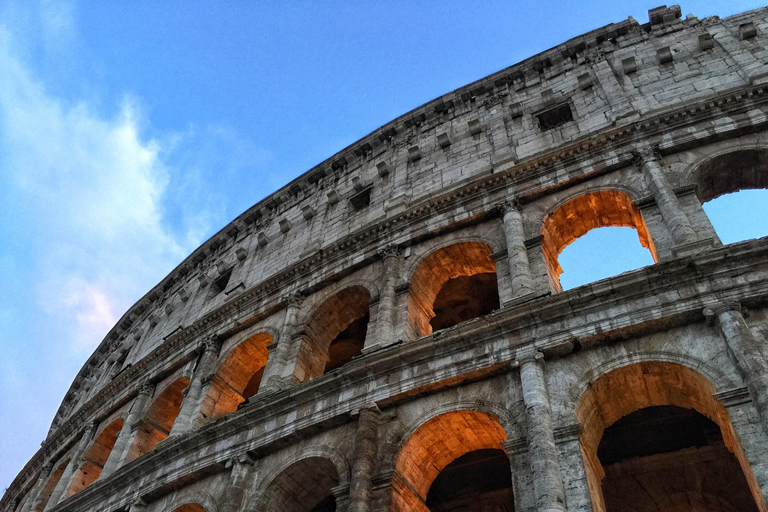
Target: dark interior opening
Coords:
[[672, 455], [328, 504], [477, 481], [464, 298], [555, 117], [348, 344]]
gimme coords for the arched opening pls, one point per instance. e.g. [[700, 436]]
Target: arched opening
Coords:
[[734, 191], [237, 379], [45, 493], [454, 460], [156, 424], [305, 486], [580, 215], [654, 439], [95, 457], [452, 285], [334, 334], [189, 507]]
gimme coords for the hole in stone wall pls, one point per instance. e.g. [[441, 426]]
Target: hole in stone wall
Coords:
[[673, 455], [95, 458], [348, 344], [464, 298], [342, 319], [237, 379], [653, 433], [446, 271], [220, 283], [554, 117], [478, 480], [601, 253], [581, 215], [50, 485], [739, 216], [305, 486], [438, 448], [158, 420]]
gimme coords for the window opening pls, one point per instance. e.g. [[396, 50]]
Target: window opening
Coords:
[[739, 216], [601, 253]]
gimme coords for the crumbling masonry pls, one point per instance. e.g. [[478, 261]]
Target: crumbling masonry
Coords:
[[388, 332]]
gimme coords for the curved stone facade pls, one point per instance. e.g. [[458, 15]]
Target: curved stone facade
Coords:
[[388, 331]]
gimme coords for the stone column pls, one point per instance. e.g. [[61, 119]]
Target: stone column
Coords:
[[360, 490], [275, 370], [385, 319], [572, 468], [547, 479], [117, 455], [522, 484], [748, 353], [517, 254], [33, 502], [671, 211], [238, 482], [74, 464], [190, 406]]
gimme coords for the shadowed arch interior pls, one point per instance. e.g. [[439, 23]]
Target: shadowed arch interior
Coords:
[[158, 420], [189, 507], [334, 333], [237, 379], [638, 387], [435, 445], [575, 218], [304, 486], [731, 172], [95, 457], [449, 267]]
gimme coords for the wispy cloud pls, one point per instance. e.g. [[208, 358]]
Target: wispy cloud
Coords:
[[91, 190]]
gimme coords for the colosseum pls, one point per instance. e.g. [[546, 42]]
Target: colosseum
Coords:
[[388, 331]]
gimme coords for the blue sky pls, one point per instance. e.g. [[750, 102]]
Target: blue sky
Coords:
[[132, 131]]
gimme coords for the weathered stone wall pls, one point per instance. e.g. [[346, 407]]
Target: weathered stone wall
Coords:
[[627, 125]]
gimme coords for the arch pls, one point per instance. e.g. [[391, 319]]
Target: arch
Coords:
[[95, 457], [190, 507], [237, 378], [434, 271], [300, 486], [730, 171], [333, 333], [736, 217], [634, 387], [156, 423], [583, 213], [433, 446], [193, 502], [50, 485]]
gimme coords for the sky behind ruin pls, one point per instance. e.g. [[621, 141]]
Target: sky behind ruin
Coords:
[[130, 132]]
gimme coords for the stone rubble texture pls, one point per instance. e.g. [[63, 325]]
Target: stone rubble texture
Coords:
[[630, 124]]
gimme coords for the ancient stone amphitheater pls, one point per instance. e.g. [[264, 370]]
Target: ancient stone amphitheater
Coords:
[[388, 331]]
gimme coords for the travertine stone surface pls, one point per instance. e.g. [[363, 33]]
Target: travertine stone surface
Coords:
[[289, 362]]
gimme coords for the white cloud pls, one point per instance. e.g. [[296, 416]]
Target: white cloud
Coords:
[[92, 194]]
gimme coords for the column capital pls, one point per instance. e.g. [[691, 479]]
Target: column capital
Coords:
[[295, 300], [90, 428], [211, 344], [241, 459], [146, 387], [507, 205], [713, 311], [528, 355], [644, 155], [390, 251], [367, 410]]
